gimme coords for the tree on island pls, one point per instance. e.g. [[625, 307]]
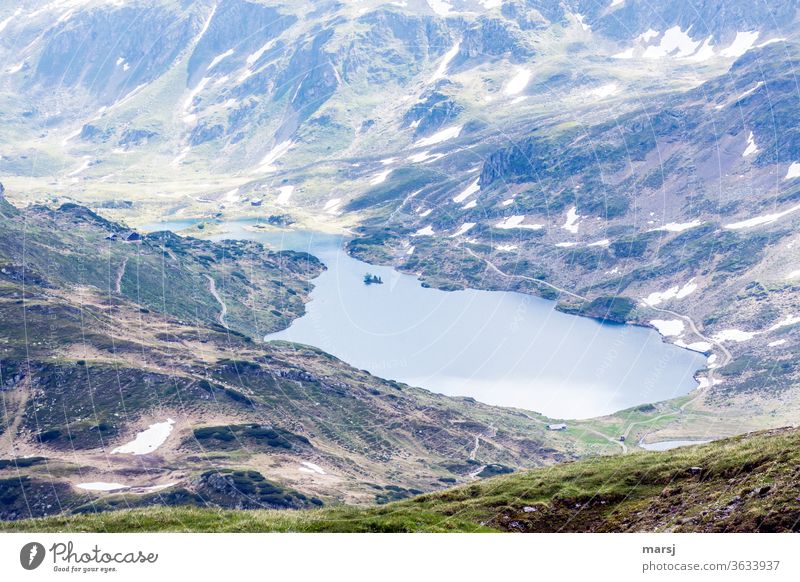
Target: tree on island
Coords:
[[370, 279]]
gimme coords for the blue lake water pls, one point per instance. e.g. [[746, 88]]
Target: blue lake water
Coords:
[[500, 348]]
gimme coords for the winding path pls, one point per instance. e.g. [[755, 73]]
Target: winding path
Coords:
[[212, 288], [726, 354], [495, 268], [120, 275]]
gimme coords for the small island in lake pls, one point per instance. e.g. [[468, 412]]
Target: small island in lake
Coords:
[[370, 279]]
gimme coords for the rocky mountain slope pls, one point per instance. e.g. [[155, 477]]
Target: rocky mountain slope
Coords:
[[234, 284], [106, 389], [745, 484], [189, 101]]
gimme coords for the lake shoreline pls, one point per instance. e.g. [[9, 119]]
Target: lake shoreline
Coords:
[[227, 230]]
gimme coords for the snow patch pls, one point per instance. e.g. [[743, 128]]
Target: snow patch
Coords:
[[668, 327], [626, 54], [468, 191], [463, 229], [311, 468], [675, 42], [686, 290], [516, 222], [648, 35], [275, 153], [423, 157], [734, 335], [102, 486], [160, 487], [82, 168], [571, 223], [506, 248], [284, 194], [676, 292], [441, 70], [776, 343], [785, 322], [380, 177], [331, 204], [188, 104], [604, 91], [232, 196], [4, 23], [440, 7], [440, 136], [253, 57], [679, 226], [750, 92], [517, 83], [743, 42], [762, 220], [793, 171], [427, 231], [704, 53], [71, 136], [148, 440], [181, 156], [701, 347], [751, 146]]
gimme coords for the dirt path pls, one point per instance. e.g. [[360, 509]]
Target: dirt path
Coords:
[[120, 275], [495, 268], [726, 355], [612, 440], [212, 288]]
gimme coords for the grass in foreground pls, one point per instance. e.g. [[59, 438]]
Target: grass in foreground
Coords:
[[748, 483]]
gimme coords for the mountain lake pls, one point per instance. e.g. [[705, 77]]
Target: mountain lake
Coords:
[[501, 348]]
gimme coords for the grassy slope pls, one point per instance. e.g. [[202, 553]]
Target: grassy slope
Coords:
[[263, 291], [746, 483]]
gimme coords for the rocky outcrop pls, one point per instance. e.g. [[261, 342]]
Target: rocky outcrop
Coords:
[[93, 133], [136, 137], [248, 489], [432, 113], [203, 133], [492, 37]]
